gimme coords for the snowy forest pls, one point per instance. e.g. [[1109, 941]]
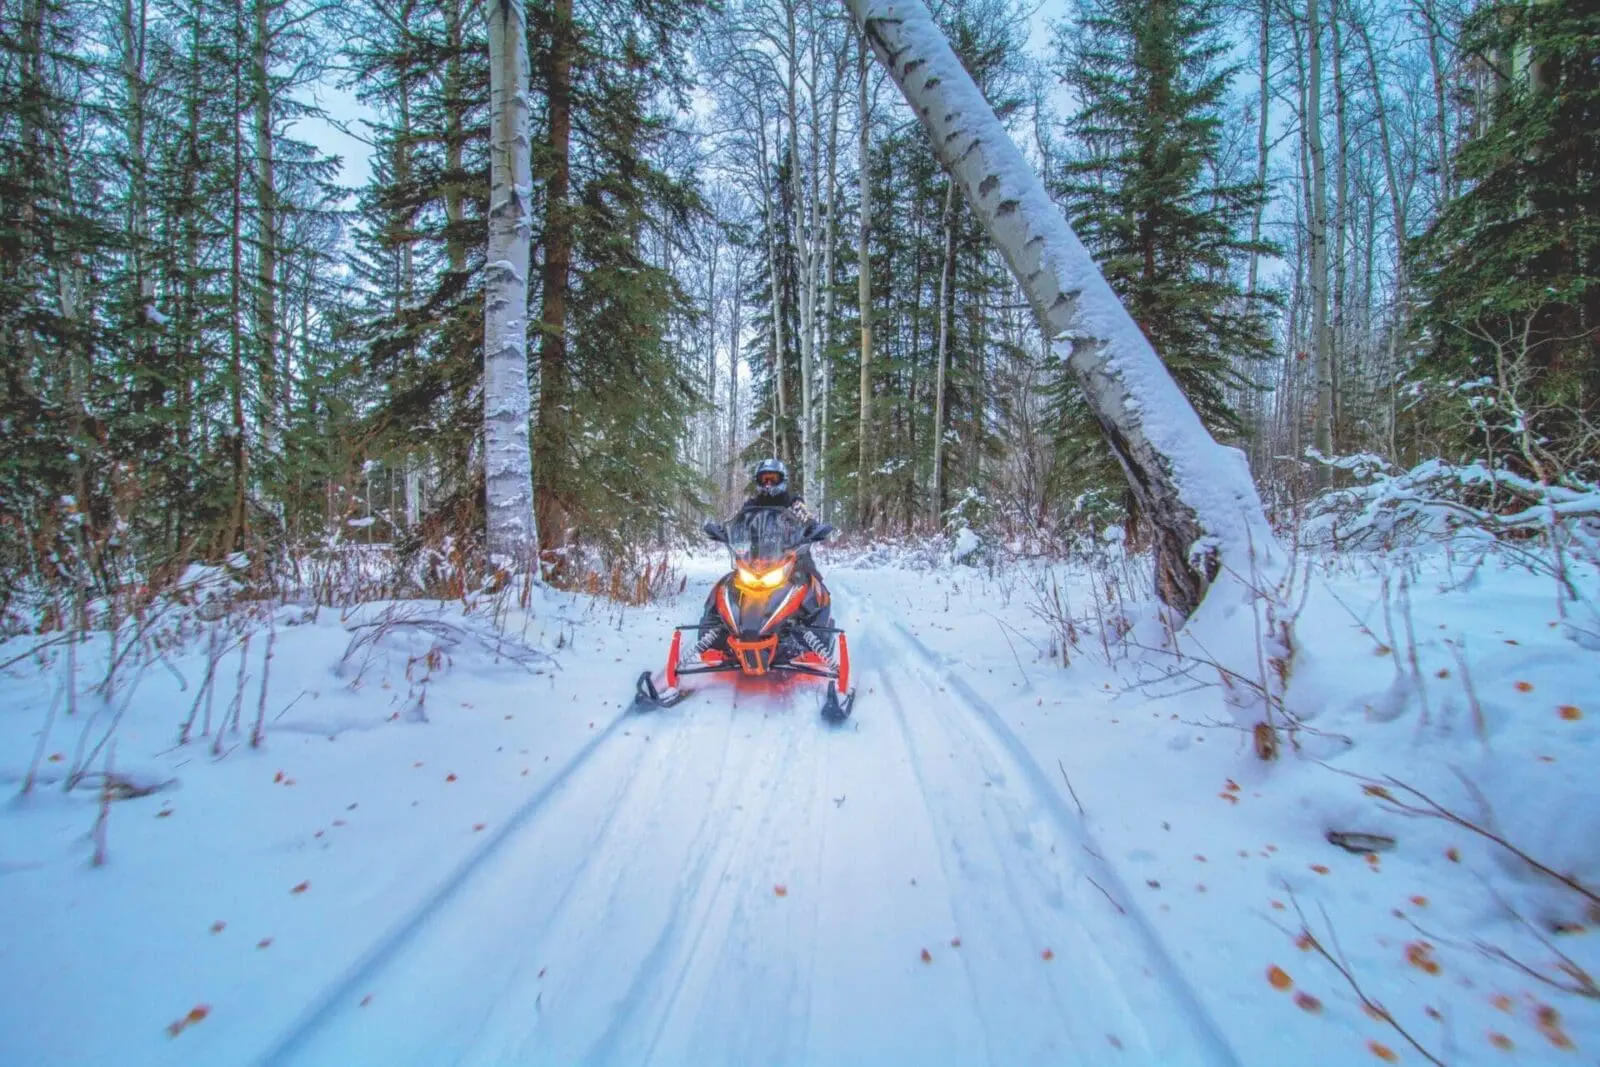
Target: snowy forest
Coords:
[[1350, 230], [1196, 408]]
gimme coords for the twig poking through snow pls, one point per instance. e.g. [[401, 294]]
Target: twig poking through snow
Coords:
[[1071, 790]]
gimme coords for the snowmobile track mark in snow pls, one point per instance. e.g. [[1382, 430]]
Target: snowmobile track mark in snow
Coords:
[[343, 990], [962, 711]]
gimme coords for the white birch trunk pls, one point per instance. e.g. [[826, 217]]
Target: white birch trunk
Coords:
[[1197, 494], [935, 505], [864, 290], [1321, 346], [829, 237], [507, 458]]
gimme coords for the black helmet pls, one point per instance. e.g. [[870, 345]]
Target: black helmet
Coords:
[[771, 477]]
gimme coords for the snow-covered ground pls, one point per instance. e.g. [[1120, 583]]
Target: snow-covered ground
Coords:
[[450, 851]]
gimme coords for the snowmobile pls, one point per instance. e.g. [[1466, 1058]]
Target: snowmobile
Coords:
[[768, 617]]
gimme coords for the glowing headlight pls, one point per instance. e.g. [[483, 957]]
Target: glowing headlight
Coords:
[[770, 580]]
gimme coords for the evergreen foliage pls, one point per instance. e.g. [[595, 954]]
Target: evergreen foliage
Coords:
[[1510, 271], [1150, 196]]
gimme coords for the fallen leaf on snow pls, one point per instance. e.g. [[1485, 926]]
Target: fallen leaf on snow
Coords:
[[1500, 1041], [265, 942], [1524, 687], [1570, 712], [780, 890], [1420, 956], [1307, 1002], [218, 926], [1048, 954], [1382, 1051], [196, 1014], [301, 888], [927, 957], [1279, 978], [450, 777]]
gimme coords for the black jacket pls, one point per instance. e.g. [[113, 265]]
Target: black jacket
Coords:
[[783, 500]]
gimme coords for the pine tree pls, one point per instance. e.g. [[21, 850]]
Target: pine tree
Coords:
[[1510, 271], [1147, 198]]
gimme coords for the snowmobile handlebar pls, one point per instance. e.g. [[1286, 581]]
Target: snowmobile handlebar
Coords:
[[811, 534]]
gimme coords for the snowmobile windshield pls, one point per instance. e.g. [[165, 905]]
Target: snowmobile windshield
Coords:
[[762, 538]]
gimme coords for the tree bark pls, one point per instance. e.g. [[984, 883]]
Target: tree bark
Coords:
[[1264, 108], [1321, 347], [507, 462], [864, 292], [1398, 204], [554, 388], [733, 375], [266, 295], [944, 311], [1196, 494]]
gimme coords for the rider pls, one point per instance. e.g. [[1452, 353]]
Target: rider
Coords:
[[771, 479]]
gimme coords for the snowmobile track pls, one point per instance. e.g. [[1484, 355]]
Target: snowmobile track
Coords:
[[970, 724], [729, 885], [344, 990]]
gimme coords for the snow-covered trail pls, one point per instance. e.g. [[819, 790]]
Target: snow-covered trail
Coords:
[[730, 881]]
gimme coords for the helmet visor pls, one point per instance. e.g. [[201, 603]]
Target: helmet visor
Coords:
[[769, 479]]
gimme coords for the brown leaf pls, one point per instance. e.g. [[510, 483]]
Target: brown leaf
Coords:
[[478, 826], [265, 942], [1382, 1051], [927, 957], [1500, 1041], [218, 926], [780, 890], [1307, 1002], [1570, 712], [450, 777], [1048, 954], [1420, 955], [1279, 978], [301, 888], [955, 942], [1524, 687], [1319, 868]]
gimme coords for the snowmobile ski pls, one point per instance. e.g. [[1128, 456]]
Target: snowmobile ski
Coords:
[[836, 710], [647, 697]]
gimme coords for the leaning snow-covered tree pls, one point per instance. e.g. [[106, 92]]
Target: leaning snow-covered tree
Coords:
[[1196, 494], [507, 461]]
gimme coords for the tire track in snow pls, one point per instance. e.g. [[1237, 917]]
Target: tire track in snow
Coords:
[[1025, 808]]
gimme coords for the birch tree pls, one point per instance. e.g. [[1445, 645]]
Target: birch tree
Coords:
[[508, 462], [1197, 495]]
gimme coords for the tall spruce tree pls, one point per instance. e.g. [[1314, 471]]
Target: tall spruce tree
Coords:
[[1510, 271], [1149, 197]]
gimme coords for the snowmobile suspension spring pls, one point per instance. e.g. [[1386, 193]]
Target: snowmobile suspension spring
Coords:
[[709, 638], [820, 647]]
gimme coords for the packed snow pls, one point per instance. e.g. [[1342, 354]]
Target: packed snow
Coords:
[[1043, 837]]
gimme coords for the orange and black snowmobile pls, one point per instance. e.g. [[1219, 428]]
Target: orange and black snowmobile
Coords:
[[770, 617]]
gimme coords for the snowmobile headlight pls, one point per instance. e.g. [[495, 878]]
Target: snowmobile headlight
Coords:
[[749, 579]]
